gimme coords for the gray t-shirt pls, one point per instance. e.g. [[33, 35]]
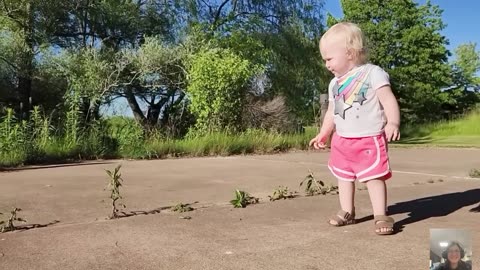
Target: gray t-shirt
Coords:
[[357, 110]]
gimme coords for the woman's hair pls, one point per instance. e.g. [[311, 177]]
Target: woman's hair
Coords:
[[451, 244], [461, 264], [353, 37]]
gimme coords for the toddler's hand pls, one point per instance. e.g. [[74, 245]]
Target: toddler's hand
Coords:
[[318, 142], [392, 132]]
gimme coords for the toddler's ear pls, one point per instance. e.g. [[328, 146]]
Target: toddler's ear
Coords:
[[350, 54]]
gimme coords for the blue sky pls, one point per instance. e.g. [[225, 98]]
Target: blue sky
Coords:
[[461, 16]]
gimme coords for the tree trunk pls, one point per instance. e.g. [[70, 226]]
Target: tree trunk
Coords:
[[132, 102], [25, 74]]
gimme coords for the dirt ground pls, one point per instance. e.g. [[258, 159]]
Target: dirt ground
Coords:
[[66, 208]]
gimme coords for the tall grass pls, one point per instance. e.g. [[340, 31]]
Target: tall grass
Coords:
[[13, 140], [37, 141], [251, 141]]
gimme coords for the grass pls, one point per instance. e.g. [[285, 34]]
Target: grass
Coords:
[[35, 143], [224, 144], [461, 132]]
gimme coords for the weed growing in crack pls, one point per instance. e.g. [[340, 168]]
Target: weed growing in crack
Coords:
[[9, 224], [282, 193], [114, 184], [181, 208], [317, 187], [242, 199]]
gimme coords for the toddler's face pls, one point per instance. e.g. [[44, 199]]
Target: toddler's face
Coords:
[[336, 56]]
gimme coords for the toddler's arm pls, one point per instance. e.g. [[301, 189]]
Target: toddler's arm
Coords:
[[392, 112], [327, 128]]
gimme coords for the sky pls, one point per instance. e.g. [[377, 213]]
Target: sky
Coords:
[[460, 16]]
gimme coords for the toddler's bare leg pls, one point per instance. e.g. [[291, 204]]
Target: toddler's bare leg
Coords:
[[346, 192], [377, 190]]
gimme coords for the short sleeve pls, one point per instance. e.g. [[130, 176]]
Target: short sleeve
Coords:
[[330, 90], [379, 78]]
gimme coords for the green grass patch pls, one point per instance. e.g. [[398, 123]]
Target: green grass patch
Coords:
[[460, 132], [123, 138], [224, 144]]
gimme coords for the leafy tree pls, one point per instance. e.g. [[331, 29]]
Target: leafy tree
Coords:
[[466, 65], [462, 94], [405, 39], [27, 27], [281, 35], [217, 89], [155, 75]]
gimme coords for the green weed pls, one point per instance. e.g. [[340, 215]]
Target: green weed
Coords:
[[242, 199], [114, 184]]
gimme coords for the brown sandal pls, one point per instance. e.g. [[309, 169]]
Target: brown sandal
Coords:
[[342, 218], [384, 222]]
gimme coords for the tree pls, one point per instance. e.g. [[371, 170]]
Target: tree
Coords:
[[462, 94], [27, 27], [116, 27], [155, 75], [405, 39], [217, 89], [466, 65], [281, 35]]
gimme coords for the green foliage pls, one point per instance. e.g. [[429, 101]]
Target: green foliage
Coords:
[[129, 135], [297, 71], [462, 95], [282, 193], [38, 142], [405, 39], [14, 142], [114, 184], [217, 89], [467, 64], [317, 187], [157, 76], [462, 131], [9, 224], [90, 73], [242, 199]]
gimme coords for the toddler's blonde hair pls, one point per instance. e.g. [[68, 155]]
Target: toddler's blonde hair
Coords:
[[353, 38]]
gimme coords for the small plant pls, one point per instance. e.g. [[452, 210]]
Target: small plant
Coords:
[[10, 226], [474, 173], [317, 187], [282, 193], [181, 208], [114, 184], [242, 199]]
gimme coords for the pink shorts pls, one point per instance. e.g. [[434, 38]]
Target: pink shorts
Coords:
[[359, 159]]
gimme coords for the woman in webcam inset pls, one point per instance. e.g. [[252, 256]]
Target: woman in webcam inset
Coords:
[[453, 255]]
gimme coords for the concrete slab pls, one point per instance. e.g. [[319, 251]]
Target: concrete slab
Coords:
[[290, 234]]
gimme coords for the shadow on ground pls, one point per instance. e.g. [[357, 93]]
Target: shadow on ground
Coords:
[[433, 206]]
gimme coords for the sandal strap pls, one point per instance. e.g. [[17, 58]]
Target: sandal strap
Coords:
[[383, 218], [343, 218], [346, 215], [382, 221]]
